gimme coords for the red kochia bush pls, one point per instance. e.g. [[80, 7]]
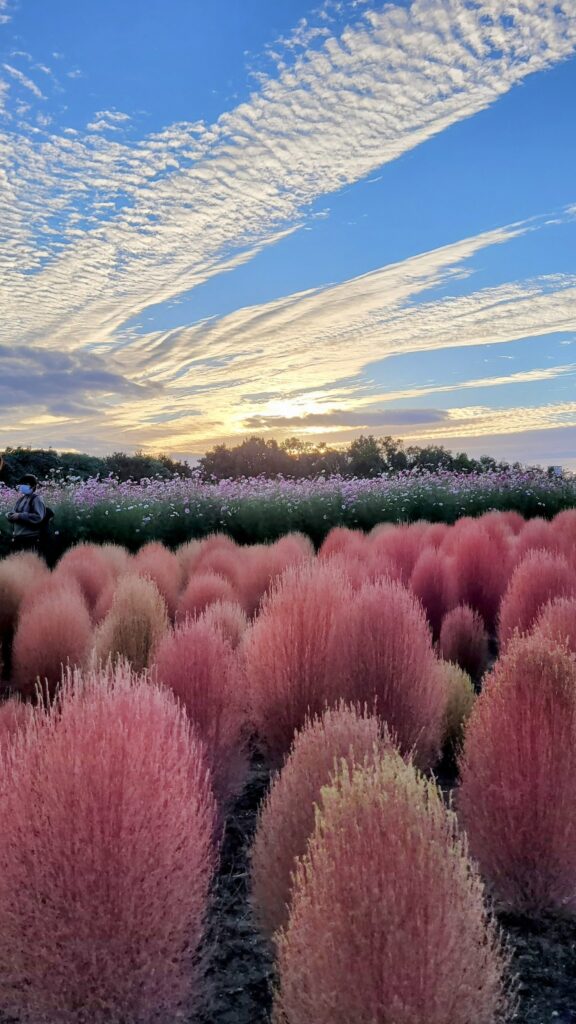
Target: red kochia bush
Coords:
[[517, 796], [384, 891], [433, 584], [464, 640], [163, 568], [538, 579], [400, 545], [481, 570], [106, 855], [286, 820], [13, 717], [85, 564], [202, 670], [288, 651], [53, 631], [228, 618], [536, 535], [383, 656], [557, 621], [202, 590], [19, 575]]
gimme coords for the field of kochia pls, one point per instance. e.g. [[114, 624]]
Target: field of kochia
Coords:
[[140, 688]]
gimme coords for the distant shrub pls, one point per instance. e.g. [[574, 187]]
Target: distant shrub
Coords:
[[55, 630], [19, 574], [517, 795], [188, 554], [433, 584], [343, 541], [564, 527], [135, 624], [536, 535], [538, 579], [288, 652], [557, 621], [163, 568], [223, 562], [92, 571], [286, 819], [464, 640], [117, 558], [385, 889], [401, 545], [202, 590], [106, 855], [14, 715], [481, 565], [461, 698], [202, 670], [383, 657], [229, 619]]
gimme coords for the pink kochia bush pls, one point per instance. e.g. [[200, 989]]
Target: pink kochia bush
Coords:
[[382, 656], [53, 631], [202, 590], [19, 575], [14, 716], [480, 563], [286, 820], [557, 621], [229, 619], [288, 652], [163, 568], [202, 670], [432, 582], [464, 640], [517, 796], [384, 891], [106, 855], [91, 570], [538, 579]]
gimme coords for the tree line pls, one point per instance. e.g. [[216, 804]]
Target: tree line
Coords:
[[45, 463]]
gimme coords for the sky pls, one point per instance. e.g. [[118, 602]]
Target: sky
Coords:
[[222, 218]]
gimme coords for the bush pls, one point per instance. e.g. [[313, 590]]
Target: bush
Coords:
[[536, 535], [228, 619], [14, 715], [135, 624], [464, 640], [202, 670], [106, 855], [383, 657], [20, 574], [163, 568], [286, 819], [461, 698], [85, 564], [557, 621], [385, 890], [480, 564], [401, 546], [537, 580], [202, 590], [433, 584], [55, 630], [288, 652], [518, 791]]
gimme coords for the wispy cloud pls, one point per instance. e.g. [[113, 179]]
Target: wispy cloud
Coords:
[[188, 199], [24, 80]]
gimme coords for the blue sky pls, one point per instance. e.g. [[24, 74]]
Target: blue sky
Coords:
[[220, 218]]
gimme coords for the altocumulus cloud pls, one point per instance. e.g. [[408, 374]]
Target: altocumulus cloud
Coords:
[[62, 383], [350, 418]]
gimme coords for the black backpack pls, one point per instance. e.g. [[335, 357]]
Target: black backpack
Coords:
[[46, 523]]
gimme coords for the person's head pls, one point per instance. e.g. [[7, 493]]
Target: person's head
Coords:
[[27, 484]]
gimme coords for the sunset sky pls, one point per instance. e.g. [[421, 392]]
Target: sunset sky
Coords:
[[228, 217]]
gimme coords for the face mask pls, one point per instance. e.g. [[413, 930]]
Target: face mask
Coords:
[[24, 488]]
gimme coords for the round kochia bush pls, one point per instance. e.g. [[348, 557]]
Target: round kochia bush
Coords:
[[106, 856], [387, 920], [288, 651], [382, 656], [538, 579], [517, 796], [286, 819]]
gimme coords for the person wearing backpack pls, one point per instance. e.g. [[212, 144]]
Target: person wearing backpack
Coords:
[[28, 517]]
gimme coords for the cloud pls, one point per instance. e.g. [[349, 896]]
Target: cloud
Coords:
[[108, 120], [350, 418], [62, 384], [189, 199], [23, 79]]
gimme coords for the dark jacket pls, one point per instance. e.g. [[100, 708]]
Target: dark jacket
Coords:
[[30, 511]]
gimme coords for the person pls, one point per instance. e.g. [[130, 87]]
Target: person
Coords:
[[27, 516]]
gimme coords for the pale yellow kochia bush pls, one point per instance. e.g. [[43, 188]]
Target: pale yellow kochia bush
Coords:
[[286, 819], [387, 920], [135, 624], [461, 698]]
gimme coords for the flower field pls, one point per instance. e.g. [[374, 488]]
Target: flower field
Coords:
[[259, 509], [236, 776]]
